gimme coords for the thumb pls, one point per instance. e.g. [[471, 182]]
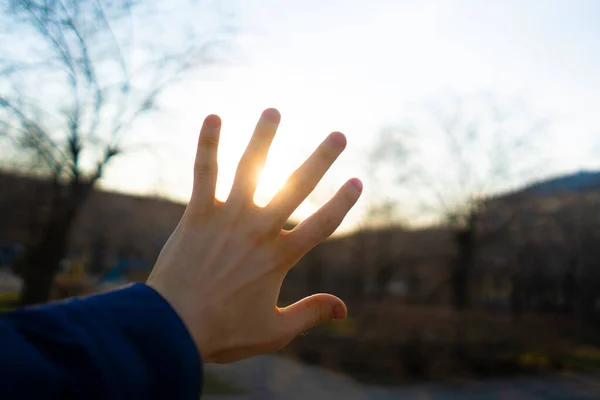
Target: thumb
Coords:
[[311, 311]]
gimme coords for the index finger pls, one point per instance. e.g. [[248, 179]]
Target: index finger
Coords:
[[246, 176], [205, 165]]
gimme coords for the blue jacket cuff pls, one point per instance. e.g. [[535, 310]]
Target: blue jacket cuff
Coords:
[[159, 336]]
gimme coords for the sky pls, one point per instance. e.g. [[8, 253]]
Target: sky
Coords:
[[358, 67]]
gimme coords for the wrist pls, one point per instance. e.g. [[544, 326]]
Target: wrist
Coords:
[[189, 322]]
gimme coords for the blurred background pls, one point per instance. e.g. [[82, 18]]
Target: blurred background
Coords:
[[471, 265]]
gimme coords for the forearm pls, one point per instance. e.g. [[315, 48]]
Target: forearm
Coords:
[[125, 344]]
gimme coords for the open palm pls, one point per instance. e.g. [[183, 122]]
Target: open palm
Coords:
[[223, 267]]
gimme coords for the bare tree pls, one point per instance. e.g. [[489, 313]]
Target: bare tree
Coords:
[[75, 76], [446, 162]]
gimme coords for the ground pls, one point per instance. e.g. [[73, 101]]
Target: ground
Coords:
[[271, 377]]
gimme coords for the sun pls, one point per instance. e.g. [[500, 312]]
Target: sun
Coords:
[[270, 182]]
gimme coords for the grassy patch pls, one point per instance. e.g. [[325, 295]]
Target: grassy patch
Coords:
[[8, 300], [214, 385], [345, 327], [584, 358]]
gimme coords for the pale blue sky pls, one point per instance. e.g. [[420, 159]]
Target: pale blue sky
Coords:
[[356, 66]]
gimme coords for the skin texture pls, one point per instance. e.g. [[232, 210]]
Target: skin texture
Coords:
[[223, 266]]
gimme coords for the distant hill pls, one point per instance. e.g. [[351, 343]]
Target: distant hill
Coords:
[[580, 181]]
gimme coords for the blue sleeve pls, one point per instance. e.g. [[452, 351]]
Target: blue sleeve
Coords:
[[125, 344]]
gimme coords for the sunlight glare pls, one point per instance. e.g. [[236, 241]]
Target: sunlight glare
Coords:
[[270, 181]]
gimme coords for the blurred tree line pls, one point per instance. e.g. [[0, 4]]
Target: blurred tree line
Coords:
[[464, 169]]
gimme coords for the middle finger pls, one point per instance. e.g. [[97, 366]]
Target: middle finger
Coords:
[[246, 176]]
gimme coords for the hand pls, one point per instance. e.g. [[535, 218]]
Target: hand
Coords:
[[223, 266]]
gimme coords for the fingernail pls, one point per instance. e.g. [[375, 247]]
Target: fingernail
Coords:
[[338, 139], [339, 312], [272, 115], [213, 121], [358, 185]]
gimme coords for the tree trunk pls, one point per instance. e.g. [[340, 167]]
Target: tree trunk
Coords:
[[516, 295], [37, 285], [43, 258], [461, 277], [384, 276]]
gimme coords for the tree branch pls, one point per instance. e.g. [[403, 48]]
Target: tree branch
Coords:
[[36, 137]]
